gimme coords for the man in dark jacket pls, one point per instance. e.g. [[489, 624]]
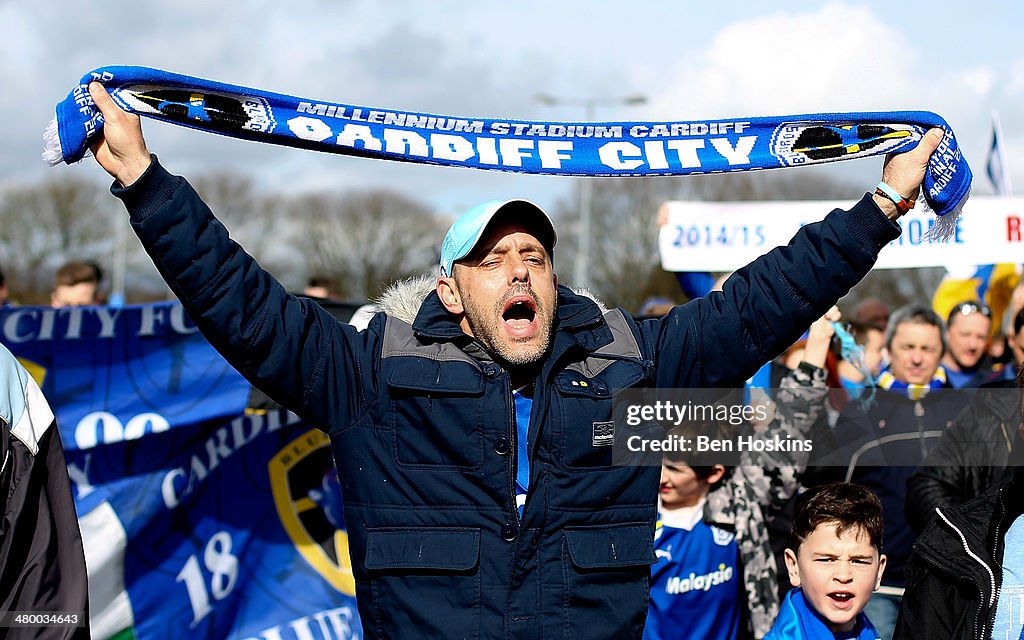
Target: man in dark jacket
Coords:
[[971, 455], [956, 575], [42, 562], [474, 445]]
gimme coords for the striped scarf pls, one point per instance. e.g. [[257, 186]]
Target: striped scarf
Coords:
[[886, 380]]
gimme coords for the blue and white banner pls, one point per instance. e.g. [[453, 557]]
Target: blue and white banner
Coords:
[[723, 236], [557, 148], [199, 521]]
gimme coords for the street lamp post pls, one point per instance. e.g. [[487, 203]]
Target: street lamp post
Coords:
[[581, 266]]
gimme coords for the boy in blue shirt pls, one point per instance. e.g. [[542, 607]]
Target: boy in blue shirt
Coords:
[[835, 565], [715, 578], [696, 583]]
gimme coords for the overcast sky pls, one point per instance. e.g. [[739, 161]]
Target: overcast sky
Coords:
[[691, 60]]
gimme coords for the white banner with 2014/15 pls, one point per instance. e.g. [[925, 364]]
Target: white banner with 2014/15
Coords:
[[698, 236]]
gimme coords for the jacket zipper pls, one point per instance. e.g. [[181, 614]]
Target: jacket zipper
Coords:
[[973, 556], [919, 412], [514, 457], [943, 569], [3, 485], [990, 625]]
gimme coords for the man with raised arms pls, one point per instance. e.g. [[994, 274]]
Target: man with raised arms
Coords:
[[473, 434]]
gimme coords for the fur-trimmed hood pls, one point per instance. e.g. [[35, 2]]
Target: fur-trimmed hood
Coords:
[[403, 298]]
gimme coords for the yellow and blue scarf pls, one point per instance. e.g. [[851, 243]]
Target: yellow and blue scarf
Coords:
[[886, 380]]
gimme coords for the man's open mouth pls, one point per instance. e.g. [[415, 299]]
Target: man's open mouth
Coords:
[[519, 314]]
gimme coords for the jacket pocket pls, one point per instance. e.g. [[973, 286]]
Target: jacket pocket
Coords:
[[425, 581], [587, 429], [607, 580], [437, 415]]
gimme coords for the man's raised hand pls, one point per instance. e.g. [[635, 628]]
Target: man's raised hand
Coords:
[[904, 172], [122, 150]]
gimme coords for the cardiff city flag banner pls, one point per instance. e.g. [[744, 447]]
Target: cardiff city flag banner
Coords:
[[199, 520], [723, 236]]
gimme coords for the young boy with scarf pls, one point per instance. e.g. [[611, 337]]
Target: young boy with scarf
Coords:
[[835, 563]]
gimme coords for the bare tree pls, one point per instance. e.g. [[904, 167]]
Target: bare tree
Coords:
[[898, 287], [625, 269], [364, 240], [246, 213], [49, 223]]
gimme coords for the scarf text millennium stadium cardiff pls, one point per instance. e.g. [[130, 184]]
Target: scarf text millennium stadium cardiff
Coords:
[[515, 142], [616, 148]]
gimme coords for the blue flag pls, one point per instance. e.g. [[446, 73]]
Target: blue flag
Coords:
[[997, 168], [199, 521]]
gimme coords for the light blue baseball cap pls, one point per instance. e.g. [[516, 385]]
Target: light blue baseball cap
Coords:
[[467, 230]]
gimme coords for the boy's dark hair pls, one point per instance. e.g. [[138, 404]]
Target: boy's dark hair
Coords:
[[702, 471], [318, 280], [77, 272], [691, 430], [849, 506]]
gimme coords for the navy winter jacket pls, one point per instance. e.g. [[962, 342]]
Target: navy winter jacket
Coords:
[[423, 431]]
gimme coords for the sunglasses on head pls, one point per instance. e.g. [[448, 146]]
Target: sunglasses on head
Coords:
[[967, 308]]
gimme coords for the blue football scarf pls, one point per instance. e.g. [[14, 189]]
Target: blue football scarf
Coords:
[[558, 148], [798, 621]]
